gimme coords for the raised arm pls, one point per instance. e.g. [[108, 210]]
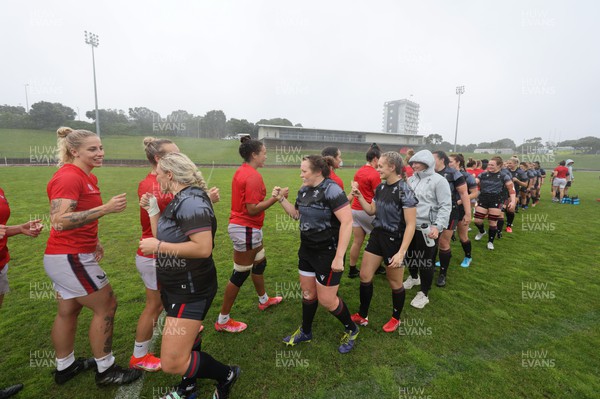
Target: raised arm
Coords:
[[371, 208], [290, 209], [64, 217]]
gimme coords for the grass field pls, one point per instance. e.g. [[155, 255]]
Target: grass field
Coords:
[[522, 322], [38, 147]]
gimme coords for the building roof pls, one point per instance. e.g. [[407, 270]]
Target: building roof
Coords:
[[337, 130]]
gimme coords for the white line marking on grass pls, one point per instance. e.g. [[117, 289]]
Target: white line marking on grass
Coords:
[[132, 391], [211, 172]]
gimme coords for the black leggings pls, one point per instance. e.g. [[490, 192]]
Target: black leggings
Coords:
[[421, 260]]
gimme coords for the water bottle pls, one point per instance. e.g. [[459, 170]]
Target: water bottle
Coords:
[[425, 229]]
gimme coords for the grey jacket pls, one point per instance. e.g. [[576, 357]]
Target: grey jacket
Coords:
[[432, 191], [569, 163]]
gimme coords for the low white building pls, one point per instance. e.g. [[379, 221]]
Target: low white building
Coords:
[[344, 139]]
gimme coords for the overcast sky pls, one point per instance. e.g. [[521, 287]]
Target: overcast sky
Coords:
[[530, 68]]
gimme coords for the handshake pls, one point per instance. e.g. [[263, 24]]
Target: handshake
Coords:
[[280, 193], [355, 190]]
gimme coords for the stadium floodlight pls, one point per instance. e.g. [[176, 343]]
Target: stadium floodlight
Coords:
[[93, 40], [459, 90]]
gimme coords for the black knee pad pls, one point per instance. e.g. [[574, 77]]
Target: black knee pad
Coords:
[[260, 268], [238, 278]]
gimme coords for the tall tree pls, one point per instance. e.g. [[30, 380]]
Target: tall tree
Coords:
[[213, 124], [108, 116], [235, 126], [144, 118], [50, 115], [434, 139]]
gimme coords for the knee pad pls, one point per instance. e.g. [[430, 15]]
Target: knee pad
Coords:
[[260, 267], [260, 255], [240, 274], [237, 278]]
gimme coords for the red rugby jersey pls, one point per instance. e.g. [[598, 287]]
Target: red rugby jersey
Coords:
[[72, 183], [150, 185], [336, 178], [247, 187], [561, 172], [368, 179], [4, 216]]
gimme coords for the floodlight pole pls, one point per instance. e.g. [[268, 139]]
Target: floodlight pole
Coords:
[[459, 90], [26, 98], [93, 41]]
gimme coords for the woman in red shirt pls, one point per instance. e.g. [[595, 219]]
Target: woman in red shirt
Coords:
[[72, 255], [248, 206], [146, 264], [368, 179], [31, 229], [333, 156], [560, 179]]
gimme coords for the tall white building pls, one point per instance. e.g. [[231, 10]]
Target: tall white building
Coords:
[[401, 116]]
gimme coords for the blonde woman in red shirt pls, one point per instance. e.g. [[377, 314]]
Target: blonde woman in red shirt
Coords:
[[72, 255]]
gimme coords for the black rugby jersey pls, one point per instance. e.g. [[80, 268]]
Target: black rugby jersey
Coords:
[[492, 183], [455, 179], [390, 200], [470, 180], [186, 279], [542, 172], [508, 173], [318, 225], [522, 175]]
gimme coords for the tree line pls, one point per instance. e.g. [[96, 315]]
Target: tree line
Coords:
[[588, 145], [214, 124]]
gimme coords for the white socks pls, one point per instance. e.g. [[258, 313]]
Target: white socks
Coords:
[[223, 318], [62, 364], [140, 349], [263, 299], [105, 362]]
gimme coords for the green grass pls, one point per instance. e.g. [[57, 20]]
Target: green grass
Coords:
[[37, 145], [469, 342]]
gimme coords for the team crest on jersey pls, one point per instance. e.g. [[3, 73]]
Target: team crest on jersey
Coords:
[[315, 193], [303, 194], [394, 190], [90, 187]]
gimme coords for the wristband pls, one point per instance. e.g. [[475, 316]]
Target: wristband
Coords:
[[281, 199], [158, 247]]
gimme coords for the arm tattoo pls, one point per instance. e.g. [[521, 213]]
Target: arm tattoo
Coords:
[[80, 218], [55, 206], [77, 219]]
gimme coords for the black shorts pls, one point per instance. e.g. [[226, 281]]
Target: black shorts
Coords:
[[191, 310], [454, 217], [317, 263], [461, 212], [419, 255], [383, 244], [488, 201]]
